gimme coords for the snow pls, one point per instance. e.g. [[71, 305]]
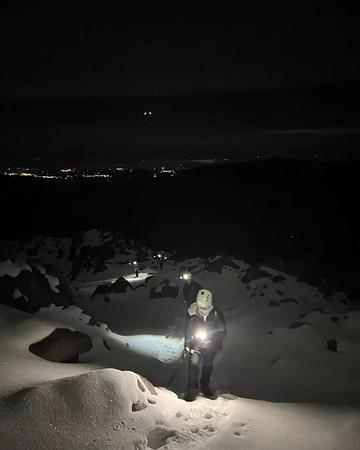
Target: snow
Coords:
[[12, 269], [17, 294], [279, 384], [53, 283], [136, 280], [48, 405]]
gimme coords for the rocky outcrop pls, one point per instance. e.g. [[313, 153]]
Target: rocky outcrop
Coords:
[[62, 345]]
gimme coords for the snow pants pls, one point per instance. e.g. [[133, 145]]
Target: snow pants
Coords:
[[200, 365]]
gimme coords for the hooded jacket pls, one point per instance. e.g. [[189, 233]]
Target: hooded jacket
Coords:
[[213, 323]]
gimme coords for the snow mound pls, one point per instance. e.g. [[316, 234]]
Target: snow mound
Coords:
[[109, 409], [101, 409]]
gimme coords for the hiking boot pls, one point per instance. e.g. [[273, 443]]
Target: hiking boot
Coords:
[[191, 395], [207, 392]]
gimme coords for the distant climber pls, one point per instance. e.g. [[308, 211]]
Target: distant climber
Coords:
[[190, 289], [205, 332]]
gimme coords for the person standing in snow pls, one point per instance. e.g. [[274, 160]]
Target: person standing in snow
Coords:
[[190, 289], [205, 332]]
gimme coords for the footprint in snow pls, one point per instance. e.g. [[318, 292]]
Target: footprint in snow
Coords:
[[241, 429]]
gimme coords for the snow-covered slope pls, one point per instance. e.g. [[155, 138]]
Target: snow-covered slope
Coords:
[[54, 406], [287, 341]]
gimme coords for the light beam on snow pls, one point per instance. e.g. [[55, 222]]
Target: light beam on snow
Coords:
[[165, 349]]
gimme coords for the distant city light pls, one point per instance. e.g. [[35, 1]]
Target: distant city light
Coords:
[[97, 175], [68, 173]]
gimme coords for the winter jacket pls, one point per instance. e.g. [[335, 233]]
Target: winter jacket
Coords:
[[214, 326]]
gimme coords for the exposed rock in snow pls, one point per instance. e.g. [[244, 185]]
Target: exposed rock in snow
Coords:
[[62, 345], [164, 289], [218, 264], [29, 288]]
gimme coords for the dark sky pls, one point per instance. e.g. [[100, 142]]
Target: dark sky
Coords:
[[61, 49]]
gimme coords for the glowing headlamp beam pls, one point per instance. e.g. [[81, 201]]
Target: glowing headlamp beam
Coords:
[[201, 335]]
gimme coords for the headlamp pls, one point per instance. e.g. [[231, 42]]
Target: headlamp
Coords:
[[186, 276], [201, 334]]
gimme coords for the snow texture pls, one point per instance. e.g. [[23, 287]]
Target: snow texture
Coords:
[[287, 377]]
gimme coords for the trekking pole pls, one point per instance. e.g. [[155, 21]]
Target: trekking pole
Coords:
[[176, 370]]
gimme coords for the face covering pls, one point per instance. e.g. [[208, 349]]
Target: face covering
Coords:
[[204, 303]]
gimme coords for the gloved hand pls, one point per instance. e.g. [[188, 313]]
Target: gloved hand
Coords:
[[186, 352]]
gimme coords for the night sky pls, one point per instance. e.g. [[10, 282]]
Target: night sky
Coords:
[[71, 49], [70, 72]]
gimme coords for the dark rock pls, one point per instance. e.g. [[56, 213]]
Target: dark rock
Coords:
[[298, 325], [165, 290], [62, 345], [93, 322], [332, 345], [89, 257], [274, 303], [138, 406], [35, 289], [118, 287], [254, 273], [275, 360], [278, 278], [106, 345], [218, 264], [288, 300]]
